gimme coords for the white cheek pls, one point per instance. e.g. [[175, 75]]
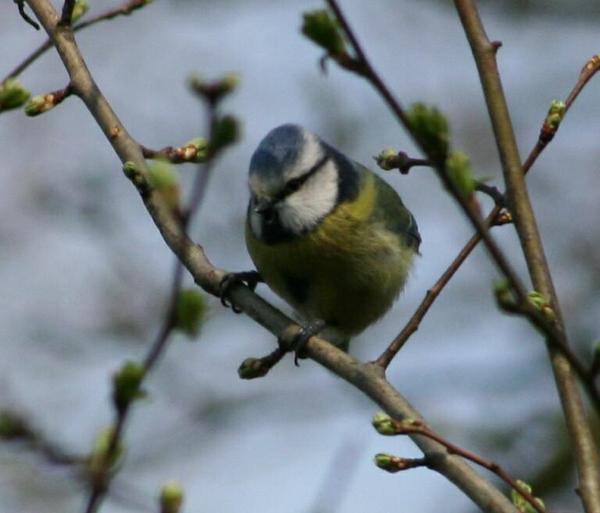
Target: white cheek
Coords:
[[304, 209]]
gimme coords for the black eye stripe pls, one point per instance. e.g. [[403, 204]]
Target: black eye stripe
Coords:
[[295, 183]]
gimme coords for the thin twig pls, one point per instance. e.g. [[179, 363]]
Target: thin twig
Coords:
[[24, 15], [125, 9], [413, 323], [420, 428]]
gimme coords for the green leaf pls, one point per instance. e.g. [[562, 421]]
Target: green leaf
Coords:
[[226, 131], [164, 178], [430, 127], [12, 94], [458, 169], [79, 9], [520, 502], [127, 384]]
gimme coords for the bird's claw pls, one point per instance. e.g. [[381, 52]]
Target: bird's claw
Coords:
[[301, 338], [248, 278]]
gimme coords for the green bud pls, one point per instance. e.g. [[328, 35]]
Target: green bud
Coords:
[[321, 28], [230, 82], [79, 9], [542, 304], [163, 177], [130, 169], [214, 91], [171, 497], [39, 104], [127, 385], [226, 131], [458, 169], [252, 368], [429, 126], [384, 424], [395, 464], [387, 159], [12, 94], [556, 112], [520, 502], [537, 299], [195, 150], [190, 312], [383, 460], [504, 295], [101, 461]]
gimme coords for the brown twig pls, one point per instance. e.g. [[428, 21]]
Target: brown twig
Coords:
[[413, 323], [24, 15], [15, 428], [124, 10], [43, 103], [175, 155], [420, 428]]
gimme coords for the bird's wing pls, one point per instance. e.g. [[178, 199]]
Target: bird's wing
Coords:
[[393, 214]]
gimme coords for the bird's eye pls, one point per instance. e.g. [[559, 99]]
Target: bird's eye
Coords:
[[294, 184]]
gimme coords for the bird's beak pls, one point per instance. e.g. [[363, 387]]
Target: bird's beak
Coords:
[[262, 205]]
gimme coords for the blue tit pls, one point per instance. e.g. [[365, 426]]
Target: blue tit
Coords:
[[327, 234]]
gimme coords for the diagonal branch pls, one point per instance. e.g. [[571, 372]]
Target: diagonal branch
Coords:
[[127, 8], [366, 377], [586, 452]]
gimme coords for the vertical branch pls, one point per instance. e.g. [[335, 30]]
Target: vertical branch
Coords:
[[484, 51]]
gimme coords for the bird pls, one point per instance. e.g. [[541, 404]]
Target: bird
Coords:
[[326, 234]]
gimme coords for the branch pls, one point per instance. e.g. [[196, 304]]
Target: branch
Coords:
[[362, 66], [389, 427], [586, 452], [14, 427], [124, 10], [548, 129], [24, 15], [366, 377]]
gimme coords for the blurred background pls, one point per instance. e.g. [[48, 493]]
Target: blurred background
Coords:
[[84, 274]]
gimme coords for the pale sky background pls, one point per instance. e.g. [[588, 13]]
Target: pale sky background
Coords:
[[84, 275]]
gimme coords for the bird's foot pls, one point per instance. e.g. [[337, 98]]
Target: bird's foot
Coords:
[[301, 338], [248, 278]]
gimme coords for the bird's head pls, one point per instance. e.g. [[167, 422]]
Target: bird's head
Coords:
[[294, 181]]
